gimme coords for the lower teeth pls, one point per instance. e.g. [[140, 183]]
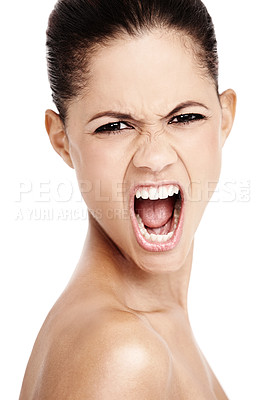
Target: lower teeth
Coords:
[[157, 238]]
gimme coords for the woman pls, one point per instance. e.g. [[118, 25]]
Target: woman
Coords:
[[141, 122]]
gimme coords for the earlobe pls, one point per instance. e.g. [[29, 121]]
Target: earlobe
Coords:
[[57, 135], [228, 104]]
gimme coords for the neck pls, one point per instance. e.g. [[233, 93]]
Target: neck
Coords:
[[102, 262]]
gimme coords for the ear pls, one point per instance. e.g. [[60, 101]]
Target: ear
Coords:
[[57, 135], [228, 104]]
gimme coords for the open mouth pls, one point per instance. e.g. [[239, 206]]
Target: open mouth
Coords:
[[157, 216]]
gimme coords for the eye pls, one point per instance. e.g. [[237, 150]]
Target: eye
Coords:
[[113, 127], [186, 119]]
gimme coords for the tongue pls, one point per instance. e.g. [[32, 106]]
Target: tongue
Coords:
[[155, 213]]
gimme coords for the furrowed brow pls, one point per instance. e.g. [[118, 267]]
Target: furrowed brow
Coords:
[[113, 114], [123, 116]]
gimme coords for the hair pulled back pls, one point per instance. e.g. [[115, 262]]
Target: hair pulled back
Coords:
[[77, 27]]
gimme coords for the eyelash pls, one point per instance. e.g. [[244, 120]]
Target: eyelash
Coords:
[[186, 119], [107, 129], [182, 119]]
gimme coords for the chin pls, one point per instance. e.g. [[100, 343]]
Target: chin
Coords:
[[162, 262]]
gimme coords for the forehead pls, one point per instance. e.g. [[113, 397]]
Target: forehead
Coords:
[[155, 69]]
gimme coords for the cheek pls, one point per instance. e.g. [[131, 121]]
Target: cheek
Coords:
[[99, 171], [205, 162], [202, 159]]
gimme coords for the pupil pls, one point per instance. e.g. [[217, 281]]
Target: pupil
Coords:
[[114, 125]]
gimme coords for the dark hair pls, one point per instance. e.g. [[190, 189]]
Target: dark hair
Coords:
[[77, 27]]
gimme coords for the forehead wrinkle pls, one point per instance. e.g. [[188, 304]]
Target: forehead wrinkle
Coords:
[[141, 118]]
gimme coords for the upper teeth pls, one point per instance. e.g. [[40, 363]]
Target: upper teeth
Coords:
[[155, 193]]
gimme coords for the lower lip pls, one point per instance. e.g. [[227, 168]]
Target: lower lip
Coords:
[[156, 247]]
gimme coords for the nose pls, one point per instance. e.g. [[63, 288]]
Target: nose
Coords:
[[155, 155]]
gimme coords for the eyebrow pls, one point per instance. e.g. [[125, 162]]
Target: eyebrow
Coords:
[[186, 104], [123, 116]]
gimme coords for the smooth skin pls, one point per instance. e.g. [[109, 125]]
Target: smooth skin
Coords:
[[120, 330]]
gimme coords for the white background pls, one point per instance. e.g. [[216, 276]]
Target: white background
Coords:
[[38, 253]]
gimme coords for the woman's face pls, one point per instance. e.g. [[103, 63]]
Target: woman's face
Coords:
[[150, 124]]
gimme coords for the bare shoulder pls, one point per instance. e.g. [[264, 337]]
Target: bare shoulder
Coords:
[[110, 355]]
